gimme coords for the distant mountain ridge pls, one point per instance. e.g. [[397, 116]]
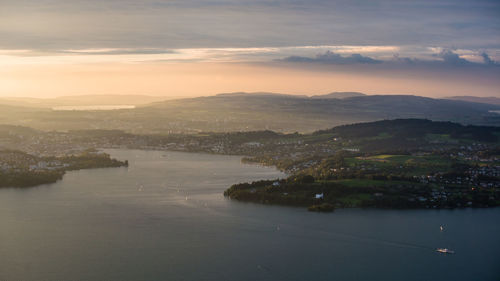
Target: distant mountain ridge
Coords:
[[333, 95], [257, 94], [313, 113], [339, 95], [81, 100], [258, 111], [488, 100]]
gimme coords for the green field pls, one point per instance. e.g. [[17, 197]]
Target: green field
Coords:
[[405, 164], [367, 182]]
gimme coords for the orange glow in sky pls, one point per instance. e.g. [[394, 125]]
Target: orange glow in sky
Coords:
[[183, 79]]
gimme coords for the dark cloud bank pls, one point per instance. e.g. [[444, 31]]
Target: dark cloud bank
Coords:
[[444, 58]]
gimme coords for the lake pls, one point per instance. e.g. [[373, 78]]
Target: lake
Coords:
[[91, 107], [164, 218]]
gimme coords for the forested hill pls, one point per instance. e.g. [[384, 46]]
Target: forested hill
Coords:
[[415, 128]]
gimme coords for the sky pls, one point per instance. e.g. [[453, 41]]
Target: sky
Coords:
[[188, 48]]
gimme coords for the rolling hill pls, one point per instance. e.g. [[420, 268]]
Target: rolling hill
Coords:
[[487, 100], [259, 111], [82, 100], [339, 95]]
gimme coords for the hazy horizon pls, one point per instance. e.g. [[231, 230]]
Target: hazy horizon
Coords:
[[167, 97]]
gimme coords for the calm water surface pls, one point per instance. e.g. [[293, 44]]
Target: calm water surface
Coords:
[[164, 218]]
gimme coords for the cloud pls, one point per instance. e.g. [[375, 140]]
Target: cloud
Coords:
[[364, 56], [51, 25], [333, 58], [451, 58], [442, 58], [487, 60], [139, 51]]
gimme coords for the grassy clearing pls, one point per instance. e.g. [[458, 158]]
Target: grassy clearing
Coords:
[[355, 199], [367, 182], [438, 137], [405, 164], [405, 159]]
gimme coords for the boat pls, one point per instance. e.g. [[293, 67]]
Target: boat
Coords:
[[445, 251]]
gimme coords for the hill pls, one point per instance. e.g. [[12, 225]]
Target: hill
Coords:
[[409, 134], [257, 111], [297, 113], [488, 100], [82, 100], [339, 95]]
